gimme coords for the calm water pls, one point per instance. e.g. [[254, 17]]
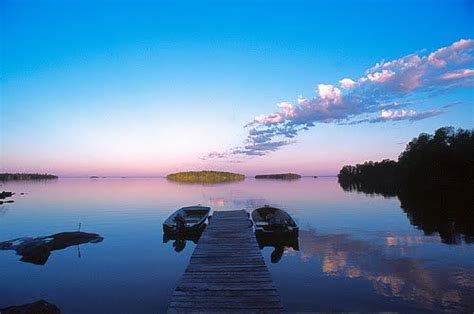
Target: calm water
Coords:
[[356, 252]]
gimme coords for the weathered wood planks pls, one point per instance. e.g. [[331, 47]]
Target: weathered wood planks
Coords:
[[226, 272]]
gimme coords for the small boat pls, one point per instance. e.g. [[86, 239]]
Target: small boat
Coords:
[[187, 219], [273, 220]]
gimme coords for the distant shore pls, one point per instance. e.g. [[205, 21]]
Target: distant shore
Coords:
[[279, 176], [26, 176]]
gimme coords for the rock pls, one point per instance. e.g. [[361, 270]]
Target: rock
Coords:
[[37, 250], [6, 194], [38, 307]]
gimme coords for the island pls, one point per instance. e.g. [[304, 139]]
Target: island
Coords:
[[26, 176], [205, 176], [279, 176]]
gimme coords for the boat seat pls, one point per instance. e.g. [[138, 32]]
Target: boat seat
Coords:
[[193, 218]]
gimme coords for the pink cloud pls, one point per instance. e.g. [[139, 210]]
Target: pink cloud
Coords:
[[382, 88], [458, 52], [273, 118], [379, 77], [459, 74]]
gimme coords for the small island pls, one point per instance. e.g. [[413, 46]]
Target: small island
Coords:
[[205, 176], [279, 176], [26, 176]]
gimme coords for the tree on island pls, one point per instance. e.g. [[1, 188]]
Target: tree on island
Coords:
[[281, 176], [26, 176], [205, 176]]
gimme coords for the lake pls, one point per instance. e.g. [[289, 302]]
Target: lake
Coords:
[[355, 252]]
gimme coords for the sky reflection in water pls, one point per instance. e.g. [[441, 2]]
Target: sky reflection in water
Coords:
[[356, 252]]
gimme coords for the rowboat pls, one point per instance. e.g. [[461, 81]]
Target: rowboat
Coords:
[[269, 219], [187, 219]]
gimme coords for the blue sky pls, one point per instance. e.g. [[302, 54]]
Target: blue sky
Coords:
[[144, 88]]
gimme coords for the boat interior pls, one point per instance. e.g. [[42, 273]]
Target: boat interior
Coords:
[[270, 216], [193, 214]]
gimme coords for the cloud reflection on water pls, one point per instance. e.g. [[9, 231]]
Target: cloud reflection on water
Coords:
[[409, 278]]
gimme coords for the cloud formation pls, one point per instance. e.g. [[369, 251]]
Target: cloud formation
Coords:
[[398, 115], [378, 94]]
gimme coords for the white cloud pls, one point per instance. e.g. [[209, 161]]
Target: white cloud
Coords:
[[347, 83], [329, 93], [288, 109], [396, 114]]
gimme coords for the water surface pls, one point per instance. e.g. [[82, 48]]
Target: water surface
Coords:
[[356, 252]]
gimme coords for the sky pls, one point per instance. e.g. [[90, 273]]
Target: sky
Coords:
[[145, 88]]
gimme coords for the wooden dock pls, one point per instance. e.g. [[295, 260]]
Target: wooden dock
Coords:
[[226, 272]]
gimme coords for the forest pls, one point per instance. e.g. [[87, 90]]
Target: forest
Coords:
[[433, 178], [444, 159]]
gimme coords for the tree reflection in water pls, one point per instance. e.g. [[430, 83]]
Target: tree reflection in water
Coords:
[[446, 211]]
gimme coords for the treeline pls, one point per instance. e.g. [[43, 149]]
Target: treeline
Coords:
[[433, 178], [445, 159], [371, 177], [26, 176], [205, 176]]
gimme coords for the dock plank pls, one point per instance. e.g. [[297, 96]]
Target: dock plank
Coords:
[[226, 272]]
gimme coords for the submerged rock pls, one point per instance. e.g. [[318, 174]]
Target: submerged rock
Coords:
[[37, 250], [38, 307]]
